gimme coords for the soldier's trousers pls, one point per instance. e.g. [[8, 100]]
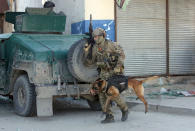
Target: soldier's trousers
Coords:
[[120, 103]]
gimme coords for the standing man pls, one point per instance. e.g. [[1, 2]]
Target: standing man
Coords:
[[102, 52]]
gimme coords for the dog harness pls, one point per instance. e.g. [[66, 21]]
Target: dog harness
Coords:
[[118, 81]]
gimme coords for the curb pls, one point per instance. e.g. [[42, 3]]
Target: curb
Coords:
[[137, 106]]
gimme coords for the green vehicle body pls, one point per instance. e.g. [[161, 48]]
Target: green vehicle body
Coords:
[[42, 57], [39, 49]]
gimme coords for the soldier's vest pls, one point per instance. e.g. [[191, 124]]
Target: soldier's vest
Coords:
[[102, 54]]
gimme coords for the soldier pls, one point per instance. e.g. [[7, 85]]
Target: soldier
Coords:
[[109, 58], [48, 4]]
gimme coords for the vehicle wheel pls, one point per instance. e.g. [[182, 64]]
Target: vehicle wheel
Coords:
[[76, 66], [94, 105], [24, 97]]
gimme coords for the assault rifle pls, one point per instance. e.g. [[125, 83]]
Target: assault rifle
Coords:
[[90, 39]]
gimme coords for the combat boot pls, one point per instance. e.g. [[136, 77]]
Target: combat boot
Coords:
[[124, 115], [109, 119]]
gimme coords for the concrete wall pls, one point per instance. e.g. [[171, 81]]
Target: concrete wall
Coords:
[[74, 10]]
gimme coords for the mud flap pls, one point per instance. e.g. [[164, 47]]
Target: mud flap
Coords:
[[44, 106], [44, 101]]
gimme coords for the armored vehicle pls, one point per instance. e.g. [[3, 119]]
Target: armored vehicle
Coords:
[[38, 63]]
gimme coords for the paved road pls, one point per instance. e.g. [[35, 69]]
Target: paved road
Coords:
[[76, 116]]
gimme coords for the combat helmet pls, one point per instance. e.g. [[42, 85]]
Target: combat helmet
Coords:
[[99, 32]]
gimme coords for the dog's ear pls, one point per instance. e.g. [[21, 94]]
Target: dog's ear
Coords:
[[95, 83], [100, 83], [103, 84], [99, 79]]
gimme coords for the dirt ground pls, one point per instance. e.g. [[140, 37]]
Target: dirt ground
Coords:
[[74, 115]]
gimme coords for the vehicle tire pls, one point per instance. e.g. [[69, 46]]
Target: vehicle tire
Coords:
[[76, 66], [94, 105], [24, 97]]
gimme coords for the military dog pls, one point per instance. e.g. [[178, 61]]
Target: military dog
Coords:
[[117, 84]]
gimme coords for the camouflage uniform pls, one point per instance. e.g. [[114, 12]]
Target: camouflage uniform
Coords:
[[101, 52]]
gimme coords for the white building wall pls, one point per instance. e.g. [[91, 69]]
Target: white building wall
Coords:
[[22, 4], [100, 9], [74, 10]]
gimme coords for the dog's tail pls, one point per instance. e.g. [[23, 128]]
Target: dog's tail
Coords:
[[149, 78]]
